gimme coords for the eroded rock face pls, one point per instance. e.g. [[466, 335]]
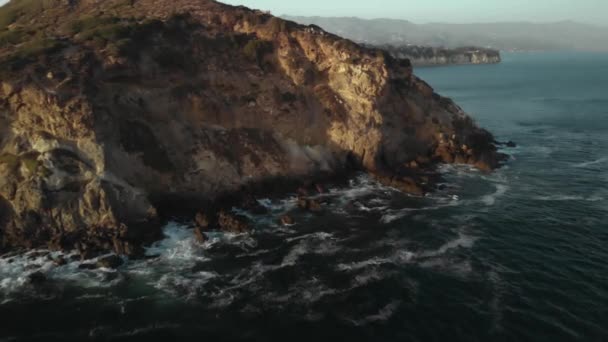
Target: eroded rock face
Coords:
[[193, 99]]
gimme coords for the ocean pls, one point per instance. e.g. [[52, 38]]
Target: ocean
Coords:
[[520, 254]]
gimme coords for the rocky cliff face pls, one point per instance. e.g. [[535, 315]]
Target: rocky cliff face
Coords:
[[432, 56], [110, 110]]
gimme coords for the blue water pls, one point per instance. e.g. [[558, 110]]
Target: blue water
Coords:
[[517, 255]]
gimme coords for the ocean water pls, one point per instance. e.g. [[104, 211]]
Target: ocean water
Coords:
[[517, 255]]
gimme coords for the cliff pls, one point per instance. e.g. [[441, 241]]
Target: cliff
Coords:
[[113, 111], [429, 56]]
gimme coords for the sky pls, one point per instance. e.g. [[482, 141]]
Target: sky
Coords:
[[452, 11]]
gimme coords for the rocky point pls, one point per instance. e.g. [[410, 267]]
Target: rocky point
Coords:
[[117, 113]]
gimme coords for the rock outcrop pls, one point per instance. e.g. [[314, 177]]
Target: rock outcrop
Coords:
[[112, 110], [434, 56]]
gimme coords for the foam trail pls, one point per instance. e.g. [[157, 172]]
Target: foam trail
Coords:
[[464, 241], [592, 163], [560, 198], [490, 200]]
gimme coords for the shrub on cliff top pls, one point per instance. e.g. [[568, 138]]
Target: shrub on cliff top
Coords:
[[10, 12], [101, 28], [10, 160], [256, 49], [11, 37]]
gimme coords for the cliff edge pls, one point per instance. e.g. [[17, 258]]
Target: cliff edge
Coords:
[[112, 110]]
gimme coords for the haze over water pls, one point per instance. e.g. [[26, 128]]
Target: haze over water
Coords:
[[519, 254]]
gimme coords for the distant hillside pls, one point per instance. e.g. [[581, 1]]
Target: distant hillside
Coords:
[[503, 36], [430, 56]]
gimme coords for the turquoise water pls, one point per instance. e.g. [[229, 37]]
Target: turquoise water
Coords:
[[517, 255]]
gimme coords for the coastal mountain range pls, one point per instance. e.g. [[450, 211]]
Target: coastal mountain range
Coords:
[[507, 36]]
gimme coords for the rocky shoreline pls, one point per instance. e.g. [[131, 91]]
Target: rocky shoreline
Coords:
[[129, 113]]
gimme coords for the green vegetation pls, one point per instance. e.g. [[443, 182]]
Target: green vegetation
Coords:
[[28, 160], [101, 28], [10, 12], [256, 49], [11, 37], [91, 23], [36, 47], [31, 162], [27, 53], [10, 160]]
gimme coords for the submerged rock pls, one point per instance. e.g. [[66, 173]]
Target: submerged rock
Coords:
[[199, 235], [287, 220], [309, 204], [60, 261], [36, 278], [202, 221], [111, 261]]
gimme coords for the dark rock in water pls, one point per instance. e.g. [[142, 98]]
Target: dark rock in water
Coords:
[[309, 204], [406, 184], [320, 188], [314, 206], [111, 261], [199, 235], [37, 255], [201, 220], [251, 204], [87, 266], [287, 220], [233, 223], [511, 144], [60, 261], [36, 278], [302, 191], [259, 210]]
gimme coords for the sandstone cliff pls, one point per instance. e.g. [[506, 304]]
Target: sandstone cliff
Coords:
[[110, 110], [433, 56]]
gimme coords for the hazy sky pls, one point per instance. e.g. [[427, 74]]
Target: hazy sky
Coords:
[[457, 11]]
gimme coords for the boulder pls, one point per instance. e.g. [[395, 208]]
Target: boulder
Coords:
[[36, 278], [309, 204], [202, 221], [232, 223], [287, 220], [199, 235], [110, 261], [60, 261]]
